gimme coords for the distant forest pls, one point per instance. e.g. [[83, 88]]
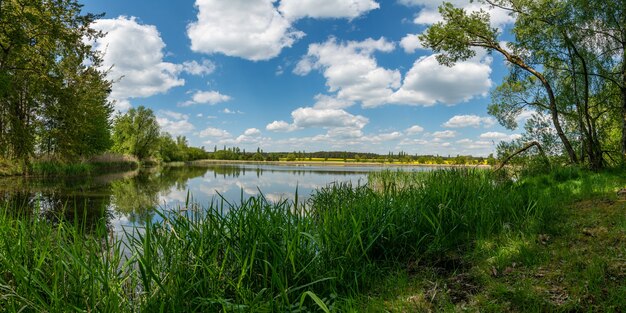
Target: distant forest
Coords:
[[235, 153]]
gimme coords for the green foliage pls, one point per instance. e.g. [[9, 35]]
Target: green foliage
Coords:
[[51, 102], [565, 57], [136, 133]]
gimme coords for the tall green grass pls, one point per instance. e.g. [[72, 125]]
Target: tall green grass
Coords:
[[58, 168], [261, 256]]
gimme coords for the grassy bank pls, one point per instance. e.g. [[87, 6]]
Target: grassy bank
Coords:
[[332, 254], [52, 167]]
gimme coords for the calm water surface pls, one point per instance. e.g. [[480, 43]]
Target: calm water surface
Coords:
[[130, 199]]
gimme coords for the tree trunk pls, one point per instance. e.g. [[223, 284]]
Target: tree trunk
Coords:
[[552, 100], [623, 90], [524, 148]]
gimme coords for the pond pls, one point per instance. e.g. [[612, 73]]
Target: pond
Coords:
[[129, 199]]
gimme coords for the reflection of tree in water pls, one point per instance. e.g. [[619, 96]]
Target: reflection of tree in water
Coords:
[[178, 176], [226, 171], [90, 211], [235, 171], [69, 200], [137, 197]]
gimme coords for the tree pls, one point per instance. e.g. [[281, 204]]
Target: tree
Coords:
[[136, 133], [569, 61], [45, 83], [460, 33]]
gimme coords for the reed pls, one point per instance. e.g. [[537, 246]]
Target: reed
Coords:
[[260, 256]]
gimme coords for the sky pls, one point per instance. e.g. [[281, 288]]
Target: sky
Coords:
[[300, 75]]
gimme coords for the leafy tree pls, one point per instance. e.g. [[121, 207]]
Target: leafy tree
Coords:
[[44, 82], [568, 62], [136, 133], [461, 32]]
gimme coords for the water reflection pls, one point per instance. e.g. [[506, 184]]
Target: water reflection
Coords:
[[130, 199]]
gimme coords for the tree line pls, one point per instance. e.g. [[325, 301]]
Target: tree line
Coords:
[[567, 68]]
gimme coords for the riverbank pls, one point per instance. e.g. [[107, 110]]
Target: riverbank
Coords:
[[442, 240], [51, 167], [337, 163]]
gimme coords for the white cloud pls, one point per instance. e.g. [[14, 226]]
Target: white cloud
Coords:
[[337, 122], [428, 82], [174, 123], [326, 118], [295, 9], [412, 142], [414, 129], [475, 145], [498, 136], [252, 30], [410, 43], [174, 115], [206, 97], [206, 67], [429, 12], [459, 121], [280, 126], [351, 70], [444, 134], [352, 73], [331, 102], [213, 132], [229, 111], [134, 53], [383, 137], [252, 132]]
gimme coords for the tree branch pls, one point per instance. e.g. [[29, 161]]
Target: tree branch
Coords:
[[521, 150]]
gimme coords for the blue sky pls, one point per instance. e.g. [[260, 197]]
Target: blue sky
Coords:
[[311, 75]]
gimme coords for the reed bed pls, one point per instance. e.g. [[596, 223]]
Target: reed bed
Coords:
[[98, 164], [261, 256]]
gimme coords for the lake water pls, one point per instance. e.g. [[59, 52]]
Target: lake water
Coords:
[[130, 199]]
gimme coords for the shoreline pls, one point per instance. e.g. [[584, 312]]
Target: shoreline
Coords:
[[332, 163]]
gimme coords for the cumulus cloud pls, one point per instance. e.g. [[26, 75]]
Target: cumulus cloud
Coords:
[[213, 132], [252, 132], [475, 144], [280, 126], [174, 115], [194, 67], [206, 97], [326, 118], [410, 43], [338, 123], [351, 70], [134, 53], [353, 75], [498, 136], [460, 121], [249, 29], [331, 102], [295, 9], [174, 123], [428, 82], [445, 134], [383, 137], [415, 129], [429, 12]]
